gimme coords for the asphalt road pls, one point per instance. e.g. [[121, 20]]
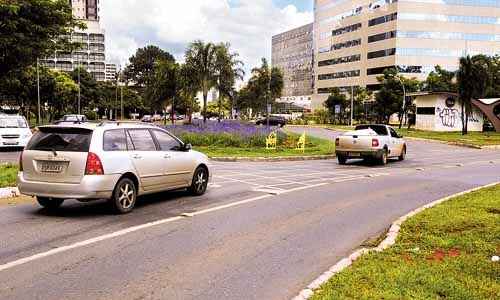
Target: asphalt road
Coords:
[[9, 155], [263, 231]]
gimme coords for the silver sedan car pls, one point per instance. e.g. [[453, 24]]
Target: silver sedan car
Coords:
[[115, 161]]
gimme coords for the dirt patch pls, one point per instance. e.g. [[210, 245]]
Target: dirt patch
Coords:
[[16, 200], [440, 254]]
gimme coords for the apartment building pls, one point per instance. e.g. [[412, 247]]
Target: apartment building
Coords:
[[91, 55], [293, 53], [110, 72], [356, 40]]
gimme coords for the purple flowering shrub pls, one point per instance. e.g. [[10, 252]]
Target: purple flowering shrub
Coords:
[[224, 134]]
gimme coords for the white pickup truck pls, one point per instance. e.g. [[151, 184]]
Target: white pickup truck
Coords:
[[375, 142]]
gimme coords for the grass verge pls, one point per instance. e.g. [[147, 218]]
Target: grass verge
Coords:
[[315, 146], [8, 174], [442, 253], [473, 138]]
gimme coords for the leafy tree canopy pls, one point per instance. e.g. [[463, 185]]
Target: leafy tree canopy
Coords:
[[31, 29], [143, 63]]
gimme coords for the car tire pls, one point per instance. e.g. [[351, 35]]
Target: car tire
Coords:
[[200, 182], [342, 159], [124, 196], [403, 154], [50, 203], [383, 158]]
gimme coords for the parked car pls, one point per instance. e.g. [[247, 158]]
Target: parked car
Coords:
[[72, 119], [147, 119], [379, 142], [115, 161], [273, 121], [14, 131]]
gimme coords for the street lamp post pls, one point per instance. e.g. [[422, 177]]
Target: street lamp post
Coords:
[[352, 104], [38, 89], [79, 87], [268, 98]]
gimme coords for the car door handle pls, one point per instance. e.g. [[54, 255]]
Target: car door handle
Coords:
[[136, 156], [167, 156]]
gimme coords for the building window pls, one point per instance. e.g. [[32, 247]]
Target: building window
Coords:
[[338, 75], [346, 29], [347, 44], [329, 90], [484, 3], [449, 35], [340, 60], [381, 53], [450, 18], [426, 110], [379, 70], [382, 36], [383, 19]]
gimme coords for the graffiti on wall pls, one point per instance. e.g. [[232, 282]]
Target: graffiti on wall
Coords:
[[451, 117], [448, 116]]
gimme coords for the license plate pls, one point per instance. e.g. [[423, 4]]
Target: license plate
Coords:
[[11, 143], [354, 154], [51, 168]]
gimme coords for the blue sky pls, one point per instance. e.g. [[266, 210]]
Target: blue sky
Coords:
[[302, 5]]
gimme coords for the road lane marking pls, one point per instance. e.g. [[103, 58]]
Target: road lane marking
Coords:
[[86, 242]]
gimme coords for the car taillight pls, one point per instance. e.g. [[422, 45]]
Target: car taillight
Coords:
[[337, 142], [94, 165], [21, 162], [375, 143]]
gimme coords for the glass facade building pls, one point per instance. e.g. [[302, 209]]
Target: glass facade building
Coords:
[[362, 38]]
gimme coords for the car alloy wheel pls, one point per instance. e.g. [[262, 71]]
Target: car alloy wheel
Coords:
[[200, 181], [124, 196]]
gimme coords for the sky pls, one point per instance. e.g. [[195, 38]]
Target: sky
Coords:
[[248, 25]]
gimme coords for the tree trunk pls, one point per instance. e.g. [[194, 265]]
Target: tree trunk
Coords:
[[205, 95], [172, 112]]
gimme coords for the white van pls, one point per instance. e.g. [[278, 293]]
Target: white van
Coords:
[[14, 131]]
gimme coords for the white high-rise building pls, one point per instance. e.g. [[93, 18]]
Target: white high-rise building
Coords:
[[91, 55]]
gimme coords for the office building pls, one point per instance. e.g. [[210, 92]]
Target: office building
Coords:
[[356, 40], [293, 53], [91, 55]]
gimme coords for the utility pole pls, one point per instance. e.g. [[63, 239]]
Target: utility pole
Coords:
[[352, 104], [79, 88], [268, 99], [38, 89]]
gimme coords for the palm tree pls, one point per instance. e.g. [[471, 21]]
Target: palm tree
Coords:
[[228, 70], [201, 59], [188, 87], [472, 80]]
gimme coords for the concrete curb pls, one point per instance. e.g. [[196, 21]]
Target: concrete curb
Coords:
[[488, 147], [9, 192], [386, 243], [273, 159]]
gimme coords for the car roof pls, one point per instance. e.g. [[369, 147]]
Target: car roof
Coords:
[[6, 116], [103, 125]]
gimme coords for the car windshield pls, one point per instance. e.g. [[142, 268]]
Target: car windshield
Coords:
[[61, 139], [13, 123], [379, 129]]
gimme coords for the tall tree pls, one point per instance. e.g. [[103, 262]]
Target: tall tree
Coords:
[[336, 104], [143, 63], [266, 84], [228, 69], [31, 29], [162, 89], [187, 89], [440, 80], [472, 79], [201, 58]]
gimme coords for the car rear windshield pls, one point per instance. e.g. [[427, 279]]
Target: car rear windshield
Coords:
[[61, 139], [379, 129]]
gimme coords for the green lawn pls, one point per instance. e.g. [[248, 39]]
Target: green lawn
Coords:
[[315, 146], [473, 138], [442, 253], [8, 174]]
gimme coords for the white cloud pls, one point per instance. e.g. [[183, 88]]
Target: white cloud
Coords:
[[171, 24]]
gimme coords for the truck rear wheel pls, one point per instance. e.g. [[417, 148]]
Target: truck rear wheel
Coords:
[[383, 158], [342, 159]]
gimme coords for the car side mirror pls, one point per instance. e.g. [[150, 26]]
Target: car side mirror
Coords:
[[187, 147]]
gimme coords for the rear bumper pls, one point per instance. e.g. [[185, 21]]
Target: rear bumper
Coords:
[[375, 153], [90, 187]]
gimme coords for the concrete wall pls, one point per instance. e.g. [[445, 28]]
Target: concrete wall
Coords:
[[446, 118]]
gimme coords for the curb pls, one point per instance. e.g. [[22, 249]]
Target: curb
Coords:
[[9, 192], [465, 145], [390, 240], [273, 159]]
